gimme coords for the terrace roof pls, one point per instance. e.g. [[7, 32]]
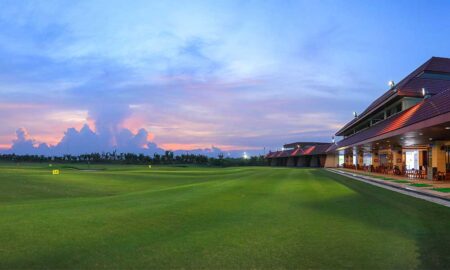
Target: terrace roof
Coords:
[[435, 110]]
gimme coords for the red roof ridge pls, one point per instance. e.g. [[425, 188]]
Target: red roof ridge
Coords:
[[433, 106]]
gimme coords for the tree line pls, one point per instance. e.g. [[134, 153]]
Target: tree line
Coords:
[[168, 158]]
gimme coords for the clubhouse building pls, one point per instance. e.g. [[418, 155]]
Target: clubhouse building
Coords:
[[406, 131]]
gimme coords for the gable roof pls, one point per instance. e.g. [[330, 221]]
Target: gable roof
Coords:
[[318, 149], [302, 144], [411, 85]]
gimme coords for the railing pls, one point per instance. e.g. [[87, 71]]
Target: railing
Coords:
[[397, 171]]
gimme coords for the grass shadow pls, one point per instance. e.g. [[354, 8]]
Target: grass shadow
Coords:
[[423, 221]]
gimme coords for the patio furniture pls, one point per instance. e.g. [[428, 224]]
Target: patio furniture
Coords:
[[440, 176], [423, 174]]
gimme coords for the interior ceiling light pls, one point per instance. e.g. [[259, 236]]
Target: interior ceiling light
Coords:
[[447, 128]]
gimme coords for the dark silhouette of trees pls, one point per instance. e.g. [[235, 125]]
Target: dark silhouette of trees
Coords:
[[168, 158]]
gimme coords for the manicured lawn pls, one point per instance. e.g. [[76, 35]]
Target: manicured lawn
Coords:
[[383, 178], [168, 217], [420, 185], [446, 190], [401, 181]]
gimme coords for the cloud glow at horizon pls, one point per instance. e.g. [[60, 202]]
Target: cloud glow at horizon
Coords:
[[236, 75]]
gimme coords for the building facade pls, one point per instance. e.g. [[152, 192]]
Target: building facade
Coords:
[[300, 154], [405, 131]]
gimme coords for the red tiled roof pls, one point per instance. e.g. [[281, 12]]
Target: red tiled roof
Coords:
[[438, 64], [318, 149], [285, 153], [414, 87], [411, 85], [297, 152], [302, 144], [428, 108]]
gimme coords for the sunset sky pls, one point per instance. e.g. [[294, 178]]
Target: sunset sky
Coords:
[[239, 75]]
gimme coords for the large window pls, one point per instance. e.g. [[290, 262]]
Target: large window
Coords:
[[412, 160], [341, 158], [367, 157], [383, 159]]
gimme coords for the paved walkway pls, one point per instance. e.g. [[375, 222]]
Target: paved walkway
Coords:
[[424, 194], [432, 183]]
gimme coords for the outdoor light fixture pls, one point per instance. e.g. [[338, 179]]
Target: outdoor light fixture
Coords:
[[425, 93], [391, 84], [355, 114]]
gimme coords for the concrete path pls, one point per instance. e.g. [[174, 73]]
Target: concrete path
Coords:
[[427, 195]]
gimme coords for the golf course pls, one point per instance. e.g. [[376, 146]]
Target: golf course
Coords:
[[134, 217]]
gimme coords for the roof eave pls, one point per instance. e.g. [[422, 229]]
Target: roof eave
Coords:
[[366, 115]]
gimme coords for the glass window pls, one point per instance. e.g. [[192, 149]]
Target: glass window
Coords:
[[412, 160], [388, 113], [435, 75], [341, 158], [367, 157]]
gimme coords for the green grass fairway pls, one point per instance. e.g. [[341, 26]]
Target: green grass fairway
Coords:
[[171, 217]]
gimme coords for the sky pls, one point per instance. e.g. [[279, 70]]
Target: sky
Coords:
[[81, 76]]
